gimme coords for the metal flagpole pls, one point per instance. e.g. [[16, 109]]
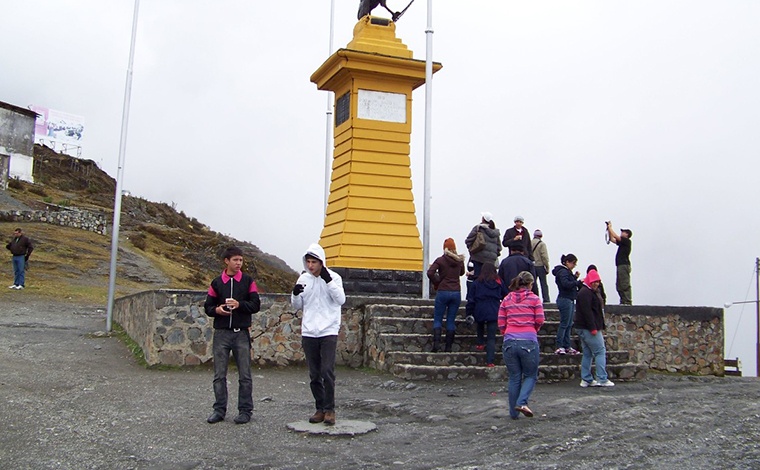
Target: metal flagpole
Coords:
[[428, 125], [329, 114], [120, 173]]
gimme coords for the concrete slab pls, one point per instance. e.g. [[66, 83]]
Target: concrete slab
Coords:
[[342, 427]]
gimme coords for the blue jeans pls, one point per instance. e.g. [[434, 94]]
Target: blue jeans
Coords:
[[239, 343], [18, 270], [320, 357], [566, 312], [593, 347], [522, 358], [446, 301], [489, 329]]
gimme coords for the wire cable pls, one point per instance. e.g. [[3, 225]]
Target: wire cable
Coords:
[[741, 312]]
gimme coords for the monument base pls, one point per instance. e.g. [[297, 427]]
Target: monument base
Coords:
[[381, 282]]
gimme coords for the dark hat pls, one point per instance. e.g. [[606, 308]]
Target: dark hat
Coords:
[[516, 246]]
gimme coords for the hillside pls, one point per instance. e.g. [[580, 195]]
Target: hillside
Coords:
[[159, 247]]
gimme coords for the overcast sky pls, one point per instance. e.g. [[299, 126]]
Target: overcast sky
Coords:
[[568, 113]]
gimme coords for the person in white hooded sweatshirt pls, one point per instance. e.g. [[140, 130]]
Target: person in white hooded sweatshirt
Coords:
[[319, 293]]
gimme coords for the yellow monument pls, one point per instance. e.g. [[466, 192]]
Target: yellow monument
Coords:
[[370, 226]]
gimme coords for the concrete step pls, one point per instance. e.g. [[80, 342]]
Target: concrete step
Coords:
[[546, 373], [427, 311], [425, 325], [463, 341], [477, 358]]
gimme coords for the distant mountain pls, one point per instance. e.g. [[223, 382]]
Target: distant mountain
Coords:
[[155, 229]]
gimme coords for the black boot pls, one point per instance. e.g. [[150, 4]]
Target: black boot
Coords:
[[449, 340], [436, 339]]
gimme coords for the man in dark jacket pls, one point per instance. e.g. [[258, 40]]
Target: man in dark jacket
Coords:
[[519, 233], [622, 262], [232, 298], [515, 263], [21, 248], [589, 323]]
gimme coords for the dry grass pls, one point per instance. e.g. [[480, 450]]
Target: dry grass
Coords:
[[74, 264]]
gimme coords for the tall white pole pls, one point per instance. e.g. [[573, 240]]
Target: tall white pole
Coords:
[[428, 126], [329, 114], [120, 173]]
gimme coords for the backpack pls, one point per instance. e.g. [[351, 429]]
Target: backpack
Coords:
[[479, 243]]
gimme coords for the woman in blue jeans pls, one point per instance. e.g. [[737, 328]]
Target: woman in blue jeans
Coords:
[[521, 315], [568, 285], [589, 321], [483, 299], [444, 274]]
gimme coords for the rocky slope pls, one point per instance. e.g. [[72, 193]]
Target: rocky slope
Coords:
[[154, 230]]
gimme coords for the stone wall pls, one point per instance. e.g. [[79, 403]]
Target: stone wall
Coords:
[[85, 220], [172, 329], [669, 339]]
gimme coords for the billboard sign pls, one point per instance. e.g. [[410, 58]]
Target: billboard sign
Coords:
[[54, 126]]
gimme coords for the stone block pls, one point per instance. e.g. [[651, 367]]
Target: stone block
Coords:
[[175, 336], [194, 333], [382, 275], [171, 358], [199, 347], [192, 360]]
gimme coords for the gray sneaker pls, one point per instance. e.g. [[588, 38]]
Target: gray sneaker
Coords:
[[585, 384]]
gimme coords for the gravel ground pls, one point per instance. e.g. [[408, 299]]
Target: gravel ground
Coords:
[[70, 399]]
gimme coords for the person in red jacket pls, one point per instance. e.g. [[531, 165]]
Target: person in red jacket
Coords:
[[444, 274]]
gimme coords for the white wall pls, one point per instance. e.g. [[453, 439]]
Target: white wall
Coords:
[[21, 167]]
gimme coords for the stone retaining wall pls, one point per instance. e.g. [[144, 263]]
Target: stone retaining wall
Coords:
[[85, 220], [669, 339], [172, 329]]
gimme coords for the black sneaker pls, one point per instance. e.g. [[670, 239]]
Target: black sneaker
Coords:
[[242, 418], [215, 417]]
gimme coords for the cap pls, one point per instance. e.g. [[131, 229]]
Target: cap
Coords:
[[538, 233], [519, 218], [486, 216]]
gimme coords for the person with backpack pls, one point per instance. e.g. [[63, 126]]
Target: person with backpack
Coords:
[[483, 243]]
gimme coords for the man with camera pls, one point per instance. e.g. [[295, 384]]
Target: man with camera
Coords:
[[622, 262]]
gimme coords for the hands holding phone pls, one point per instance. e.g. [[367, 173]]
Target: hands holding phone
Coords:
[[228, 306]]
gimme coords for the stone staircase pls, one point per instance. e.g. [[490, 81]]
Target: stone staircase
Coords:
[[399, 340]]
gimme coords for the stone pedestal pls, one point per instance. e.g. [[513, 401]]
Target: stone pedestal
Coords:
[[387, 282]]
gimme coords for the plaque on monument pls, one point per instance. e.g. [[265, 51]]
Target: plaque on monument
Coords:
[[382, 106], [342, 109]]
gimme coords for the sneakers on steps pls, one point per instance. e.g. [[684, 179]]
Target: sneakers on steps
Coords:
[[593, 383], [560, 351]]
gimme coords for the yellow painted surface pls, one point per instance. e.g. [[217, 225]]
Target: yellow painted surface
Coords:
[[371, 221], [381, 39]]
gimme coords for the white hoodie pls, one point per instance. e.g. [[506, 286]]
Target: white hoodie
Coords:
[[319, 301]]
